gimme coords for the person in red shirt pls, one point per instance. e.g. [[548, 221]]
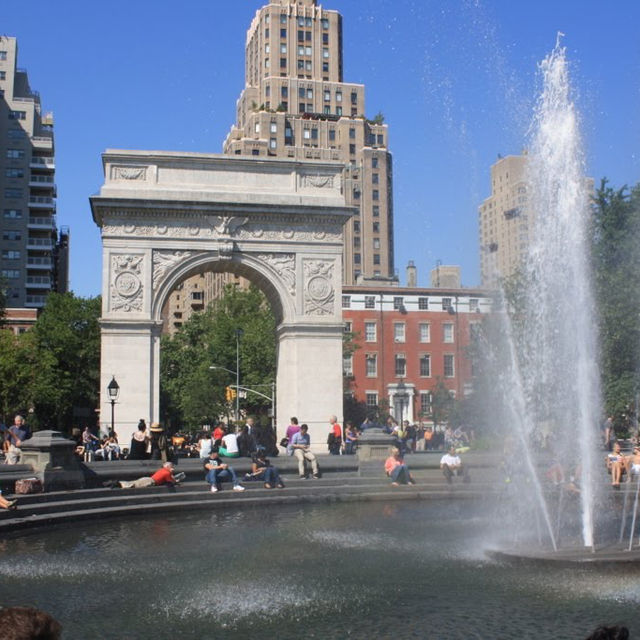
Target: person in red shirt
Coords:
[[334, 441], [164, 475]]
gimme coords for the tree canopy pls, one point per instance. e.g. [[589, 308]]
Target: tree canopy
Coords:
[[192, 392]]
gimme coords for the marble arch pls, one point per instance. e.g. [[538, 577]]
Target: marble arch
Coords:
[[164, 216]]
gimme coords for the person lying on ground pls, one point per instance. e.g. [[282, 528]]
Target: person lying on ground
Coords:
[[164, 476]]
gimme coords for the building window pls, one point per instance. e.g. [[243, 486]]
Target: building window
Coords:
[[376, 244], [325, 53], [346, 302], [352, 149], [446, 304], [284, 92], [15, 154], [375, 227], [273, 143], [371, 361], [283, 33], [332, 135], [425, 365], [308, 51], [266, 33], [376, 194], [376, 258], [376, 211], [339, 111], [325, 67], [13, 193], [371, 399], [352, 133], [14, 173], [283, 18], [357, 258], [310, 94], [356, 226], [424, 332], [423, 303], [370, 333], [325, 38], [447, 332], [474, 305], [449, 369], [374, 163], [283, 63], [3, 75], [356, 242], [398, 303], [11, 274], [399, 333], [347, 365], [375, 178], [338, 96], [17, 115], [348, 326], [400, 365], [11, 255], [12, 235], [425, 403], [3, 55], [14, 214], [369, 302], [273, 127]]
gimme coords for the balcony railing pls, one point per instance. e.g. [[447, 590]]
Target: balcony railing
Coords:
[[39, 282], [35, 301], [40, 264], [40, 243], [44, 161], [42, 202], [42, 223]]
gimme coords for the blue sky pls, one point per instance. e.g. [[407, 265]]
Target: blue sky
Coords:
[[456, 80]]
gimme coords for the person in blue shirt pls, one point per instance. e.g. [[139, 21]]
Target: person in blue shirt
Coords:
[[301, 446]]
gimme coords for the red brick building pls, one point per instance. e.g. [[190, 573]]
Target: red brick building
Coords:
[[409, 338]]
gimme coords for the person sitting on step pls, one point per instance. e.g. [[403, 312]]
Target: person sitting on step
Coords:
[[451, 465], [396, 469]]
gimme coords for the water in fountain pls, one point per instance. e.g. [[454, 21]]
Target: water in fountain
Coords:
[[552, 359]]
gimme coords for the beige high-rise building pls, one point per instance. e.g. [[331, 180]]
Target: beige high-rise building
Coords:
[[33, 260], [504, 221], [295, 104]]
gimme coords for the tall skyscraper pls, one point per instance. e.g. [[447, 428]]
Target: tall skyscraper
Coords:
[[295, 104], [504, 219], [33, 260]]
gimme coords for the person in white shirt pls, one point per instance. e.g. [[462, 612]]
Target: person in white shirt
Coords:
[[451, 465], [229, 447]]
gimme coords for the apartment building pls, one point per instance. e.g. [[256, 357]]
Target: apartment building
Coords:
[[295, 104], [504, 220], [33, 256], [408, 339]]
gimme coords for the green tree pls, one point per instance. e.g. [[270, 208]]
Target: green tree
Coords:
[[616, 266], [66, 368], [441, 402], [191, 392]]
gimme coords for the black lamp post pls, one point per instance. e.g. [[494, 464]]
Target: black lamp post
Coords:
[[113, 389]]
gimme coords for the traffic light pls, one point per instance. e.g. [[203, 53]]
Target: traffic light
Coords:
[[230, 394]]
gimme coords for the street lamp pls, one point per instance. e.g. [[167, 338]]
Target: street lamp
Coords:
[[113, 389], [239, 333]]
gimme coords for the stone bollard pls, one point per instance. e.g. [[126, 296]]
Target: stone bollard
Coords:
[[374, 447], [52, 458]]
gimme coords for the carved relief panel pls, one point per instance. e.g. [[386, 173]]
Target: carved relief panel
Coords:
[[319, 289], [126, 286]]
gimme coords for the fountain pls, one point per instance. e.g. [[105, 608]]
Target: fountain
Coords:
[[549, 364]]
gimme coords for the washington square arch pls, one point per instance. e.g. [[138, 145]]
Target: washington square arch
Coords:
[[165, 216]]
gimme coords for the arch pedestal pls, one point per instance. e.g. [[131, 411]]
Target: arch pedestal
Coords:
[[166, 216]]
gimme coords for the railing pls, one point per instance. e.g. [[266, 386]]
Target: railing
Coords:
[[39, 263], [41, 200], [39, 242], [48, 222], [43, 179], [39, 280], [45, 160]]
